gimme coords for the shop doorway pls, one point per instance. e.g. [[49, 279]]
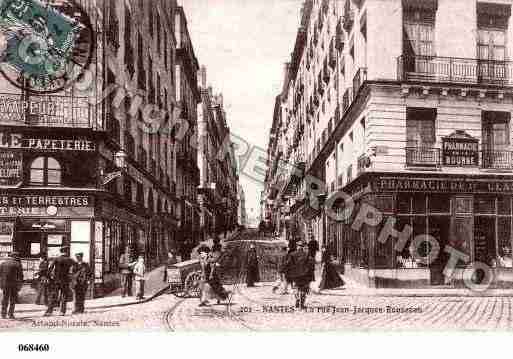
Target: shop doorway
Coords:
[[484, 241], [439, 228]]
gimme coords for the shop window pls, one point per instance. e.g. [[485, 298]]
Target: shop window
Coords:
[[80, 238], [6, 238], [484, 205], [45, 171], [505, 258], [403, 203], [504, 205], [419, 204], [439, 204]]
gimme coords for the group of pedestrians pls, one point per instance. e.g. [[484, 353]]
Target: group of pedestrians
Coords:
[[58, 282], [296, 268], [132, 272]]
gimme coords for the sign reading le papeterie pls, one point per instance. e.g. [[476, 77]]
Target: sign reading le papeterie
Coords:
[[19, 141]]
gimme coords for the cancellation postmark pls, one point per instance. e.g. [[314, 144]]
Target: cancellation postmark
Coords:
[[45, 46]]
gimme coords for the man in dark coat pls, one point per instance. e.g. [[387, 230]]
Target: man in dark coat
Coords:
[[126, 272], [11, 279], [81, 277], [60, 276], [252, 274], [300, 267]]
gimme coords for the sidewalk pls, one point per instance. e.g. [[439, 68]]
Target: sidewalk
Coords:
[[154, 287], [355, 289]]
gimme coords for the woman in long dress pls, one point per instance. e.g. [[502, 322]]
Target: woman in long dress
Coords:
[[214, 281], [330, 277], [252, 275]]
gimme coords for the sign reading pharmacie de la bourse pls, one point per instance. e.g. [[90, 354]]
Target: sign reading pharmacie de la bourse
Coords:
[[460, 149]]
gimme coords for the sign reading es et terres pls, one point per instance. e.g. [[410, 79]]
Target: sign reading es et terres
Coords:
[[18, 141]]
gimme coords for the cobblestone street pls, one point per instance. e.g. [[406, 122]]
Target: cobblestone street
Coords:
[[259, 309]]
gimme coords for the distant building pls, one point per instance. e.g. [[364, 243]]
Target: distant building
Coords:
[[242, 218], [218, 190]]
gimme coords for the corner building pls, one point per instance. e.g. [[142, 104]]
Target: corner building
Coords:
[[60, 185], [414, 119]]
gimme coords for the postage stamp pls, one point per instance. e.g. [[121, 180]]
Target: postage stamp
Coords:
[[256, 166], [44, 43]]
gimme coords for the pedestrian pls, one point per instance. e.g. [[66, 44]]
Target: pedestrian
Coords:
[[301, 267], [81, 277], [214, 281], [171, 260], [60, 282], [139, 276], [329, 278], [42, 282], [11, 280], [206, 270], [126, 272], [252, 272], [281, 282], [313, 248]]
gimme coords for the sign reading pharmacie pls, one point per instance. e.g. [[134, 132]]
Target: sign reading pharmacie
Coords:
[[18, 141], [37, 205], [460, 149], [444, 185]]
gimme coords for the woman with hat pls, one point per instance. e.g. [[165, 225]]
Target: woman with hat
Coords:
[[329, 278], [252, 274], [205, 265]]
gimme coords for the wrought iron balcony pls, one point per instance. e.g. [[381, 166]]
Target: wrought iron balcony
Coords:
[[455, 70], [423, 157], [499, 160]]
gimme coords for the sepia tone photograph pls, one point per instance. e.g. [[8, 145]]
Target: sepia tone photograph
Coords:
[[239, 166]]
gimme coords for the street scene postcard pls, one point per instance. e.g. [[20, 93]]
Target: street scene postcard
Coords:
[[255, 165]]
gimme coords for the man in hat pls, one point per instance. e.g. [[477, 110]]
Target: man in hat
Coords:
[[60, 275], [301, 268], [126, 272], [81, 278], [11, 279]]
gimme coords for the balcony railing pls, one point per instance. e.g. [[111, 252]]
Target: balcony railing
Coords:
[[455, 70], [501, 160], [423, 157]]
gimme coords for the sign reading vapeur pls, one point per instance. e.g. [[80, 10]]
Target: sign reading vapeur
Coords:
[[19, 141], [453, 185], [10, 168]]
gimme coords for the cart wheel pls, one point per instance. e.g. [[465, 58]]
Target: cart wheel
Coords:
[[192, 284]]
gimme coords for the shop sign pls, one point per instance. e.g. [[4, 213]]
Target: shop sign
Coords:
[[46, 109], [460, 149], [19, 142], [29, 205], [453, 185], [11, 168]]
